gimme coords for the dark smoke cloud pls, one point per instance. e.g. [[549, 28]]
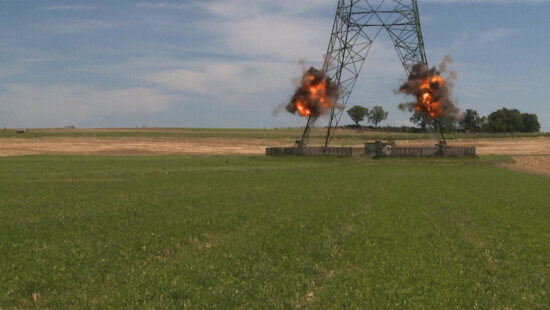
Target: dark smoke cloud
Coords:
[[442, 93], [312, 78], [278, 109]]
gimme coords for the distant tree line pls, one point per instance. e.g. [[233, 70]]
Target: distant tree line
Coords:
[[500, 121], [503, 120]]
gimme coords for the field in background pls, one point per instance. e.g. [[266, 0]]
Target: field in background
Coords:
[[348, 136], [260, 232], [162, 141]]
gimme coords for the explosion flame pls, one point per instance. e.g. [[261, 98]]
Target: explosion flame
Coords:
[[432, 91], [427, 102], [315, 96]]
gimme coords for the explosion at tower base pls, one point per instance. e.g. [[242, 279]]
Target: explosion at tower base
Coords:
[[357, 23]]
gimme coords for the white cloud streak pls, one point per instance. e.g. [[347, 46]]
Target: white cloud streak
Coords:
[[162, 5], [72, 8], [286, 30], [219, 78], [78, 26], [31, 105], [494, 35]]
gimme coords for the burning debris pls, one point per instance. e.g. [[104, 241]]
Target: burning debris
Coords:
[[432, 92], [315, 96]]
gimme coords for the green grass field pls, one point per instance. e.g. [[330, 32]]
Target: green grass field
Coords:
[[271, 232]]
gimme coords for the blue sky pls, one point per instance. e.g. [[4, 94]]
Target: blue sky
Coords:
[[230, 63]]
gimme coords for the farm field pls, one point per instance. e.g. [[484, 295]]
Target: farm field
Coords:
[[531, 151], [251, 231], [178, 141], [344, 135]]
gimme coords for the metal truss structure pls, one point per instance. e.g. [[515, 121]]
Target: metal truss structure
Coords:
[[357, 24]]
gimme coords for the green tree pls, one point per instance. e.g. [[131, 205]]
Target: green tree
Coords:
[[530, 122], [376, 115], [357, 114], [505, 120], [484, 124], [471, 121], [419, 119], [449, 123]]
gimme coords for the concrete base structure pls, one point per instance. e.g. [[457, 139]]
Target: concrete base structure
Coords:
[[376, 149], [430, 151], [310, 151]]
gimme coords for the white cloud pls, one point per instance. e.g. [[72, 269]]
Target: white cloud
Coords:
[[240, 8], [220, 79], [473, 42], [78, 26], [54, 105], [12, 70], [68, 8], [279, 30], [162, 5], [494, 35], [276, 36]]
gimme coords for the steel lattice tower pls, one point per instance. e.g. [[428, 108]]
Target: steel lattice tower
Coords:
[[357, 23]]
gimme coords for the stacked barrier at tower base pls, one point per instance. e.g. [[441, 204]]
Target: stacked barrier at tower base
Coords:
[[375, 149], [310, 151]]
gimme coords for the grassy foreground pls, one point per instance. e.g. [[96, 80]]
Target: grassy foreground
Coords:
[[259, 232]]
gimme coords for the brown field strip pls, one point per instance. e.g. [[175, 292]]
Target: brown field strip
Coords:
[[131, 146], [539, 165], [531, 155], [216, 145]]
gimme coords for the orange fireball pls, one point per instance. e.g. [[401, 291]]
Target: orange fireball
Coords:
[[427, 101], [431, 91], [315, 95]]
